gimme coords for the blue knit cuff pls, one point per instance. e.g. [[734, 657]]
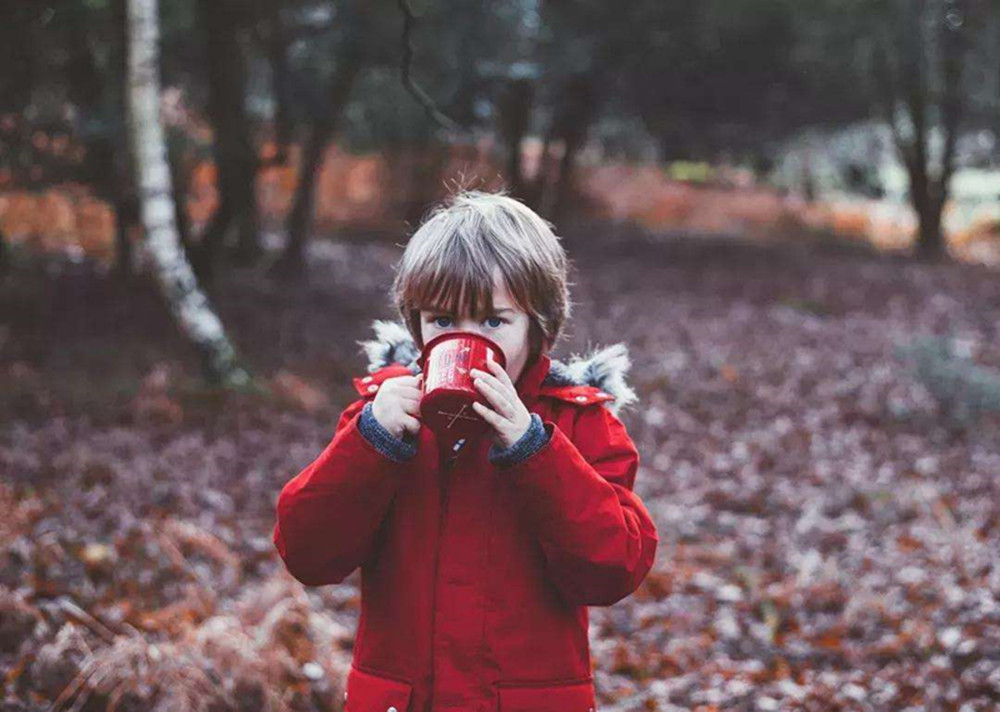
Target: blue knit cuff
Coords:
[[385, 442], [531, 442]]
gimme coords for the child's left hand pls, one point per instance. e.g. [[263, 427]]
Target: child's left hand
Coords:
[[509, 417]]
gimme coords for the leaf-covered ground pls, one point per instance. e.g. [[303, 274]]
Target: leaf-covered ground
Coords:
[[828, 530]]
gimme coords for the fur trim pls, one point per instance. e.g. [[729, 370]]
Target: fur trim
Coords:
[[603, 368], [392, 344]]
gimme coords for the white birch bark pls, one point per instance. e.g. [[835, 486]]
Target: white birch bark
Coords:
[[164, 253]]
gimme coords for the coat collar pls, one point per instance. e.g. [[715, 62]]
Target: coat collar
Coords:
[[603, 368], [532, 376]]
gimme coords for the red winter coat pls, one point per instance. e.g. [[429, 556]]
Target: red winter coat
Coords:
[[475, 579]]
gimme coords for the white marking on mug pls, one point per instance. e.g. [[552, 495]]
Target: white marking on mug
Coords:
[[456, 416]]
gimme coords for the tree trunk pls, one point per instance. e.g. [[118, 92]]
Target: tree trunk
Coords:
[[277, 55], [930, 236], [300, 220], [539, 194], [101, 98], [515, 113], [19, 54], [235, 157], [576, 114], [908, 80], [195, 317], [125, 200]]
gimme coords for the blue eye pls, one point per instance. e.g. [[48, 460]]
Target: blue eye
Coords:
[[439, 318], [491, 318]]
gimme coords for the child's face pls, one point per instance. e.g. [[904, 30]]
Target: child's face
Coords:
[[508, 327]]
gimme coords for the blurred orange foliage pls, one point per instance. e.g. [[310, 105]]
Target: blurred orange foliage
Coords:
[[375, 192], [62, 219]]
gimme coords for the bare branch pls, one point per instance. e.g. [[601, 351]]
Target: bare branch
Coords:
[[432, 111]]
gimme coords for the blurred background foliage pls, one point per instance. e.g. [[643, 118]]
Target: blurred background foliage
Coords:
[[786, 98]]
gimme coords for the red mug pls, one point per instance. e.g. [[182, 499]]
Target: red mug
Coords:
[[448, 390]]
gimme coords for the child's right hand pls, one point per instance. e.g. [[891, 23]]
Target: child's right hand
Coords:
[[397, 404]]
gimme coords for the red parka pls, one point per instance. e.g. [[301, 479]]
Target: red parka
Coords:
[[475, 578]]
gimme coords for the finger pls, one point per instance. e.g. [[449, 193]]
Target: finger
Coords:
[[496, 398], [498, 394], [411, 424], [411, 406], [489, 378], [491, 417], [409, 392], [500, 372]]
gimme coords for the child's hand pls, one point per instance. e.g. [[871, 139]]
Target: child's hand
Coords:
[[397, 404], [509, 417]]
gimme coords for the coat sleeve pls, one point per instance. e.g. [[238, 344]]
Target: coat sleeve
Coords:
[[329, 514], [598, 538]]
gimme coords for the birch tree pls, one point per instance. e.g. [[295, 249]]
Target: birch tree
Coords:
[[176, 280]]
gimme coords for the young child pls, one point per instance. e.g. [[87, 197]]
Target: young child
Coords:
[[478, 559]]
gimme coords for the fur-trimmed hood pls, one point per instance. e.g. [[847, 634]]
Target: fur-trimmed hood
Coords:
[[604, 368]]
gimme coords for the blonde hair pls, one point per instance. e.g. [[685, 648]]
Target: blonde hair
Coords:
[[450, 261]]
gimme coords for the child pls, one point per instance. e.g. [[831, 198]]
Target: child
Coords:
[[478, 559]]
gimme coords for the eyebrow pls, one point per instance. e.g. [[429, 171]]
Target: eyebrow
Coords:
[[448, 313]]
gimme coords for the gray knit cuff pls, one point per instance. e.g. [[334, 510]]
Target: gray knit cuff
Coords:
[[385, 442], [531, 442]]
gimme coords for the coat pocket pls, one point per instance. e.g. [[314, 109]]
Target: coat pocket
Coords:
[[373, 692], [547, 697]]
